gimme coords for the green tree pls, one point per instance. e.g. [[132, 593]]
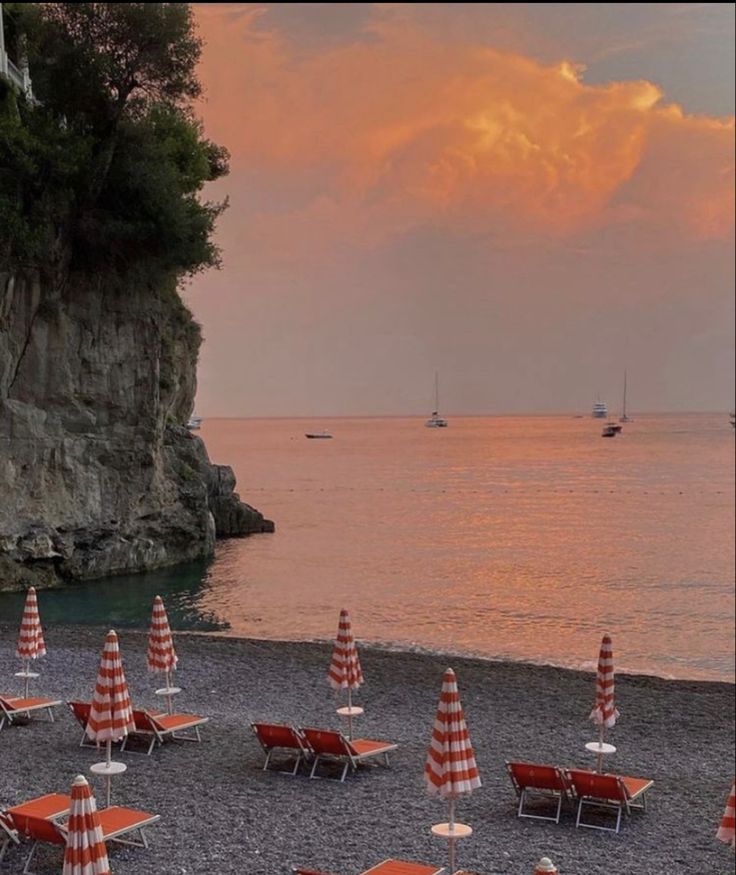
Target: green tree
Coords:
[[104, 171]]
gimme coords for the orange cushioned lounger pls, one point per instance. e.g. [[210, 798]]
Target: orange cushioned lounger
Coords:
[[115, 822], [279, 736], [401, 867], [49, 807], [329, 744], [157, 727], [299, 870], [12, 707], [543, 782], [614, 792]]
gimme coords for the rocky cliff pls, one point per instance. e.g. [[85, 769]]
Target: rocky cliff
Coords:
[[98, 473]]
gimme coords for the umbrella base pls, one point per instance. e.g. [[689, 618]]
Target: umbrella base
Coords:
[[452, 831]]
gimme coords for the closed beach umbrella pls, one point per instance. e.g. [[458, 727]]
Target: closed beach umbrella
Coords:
[[161, 656], [85, 852], [345, 672], [727, 829], [604, 714], [451, 770], [30, 641], [111, 714]]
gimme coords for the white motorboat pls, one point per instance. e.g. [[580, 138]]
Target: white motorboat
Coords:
[[611, 429], [194, 423], [318, 435], [435, 420], [600, 410]]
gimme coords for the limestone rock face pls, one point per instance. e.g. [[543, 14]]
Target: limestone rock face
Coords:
[[98, 473]]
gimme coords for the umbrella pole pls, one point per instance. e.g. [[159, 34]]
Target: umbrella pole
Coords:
[[451, 842], [109, 776], [350, 714], [168, 687], [27, 664], [601, 737]]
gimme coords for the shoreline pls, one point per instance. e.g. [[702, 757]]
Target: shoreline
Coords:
[[221, 812]]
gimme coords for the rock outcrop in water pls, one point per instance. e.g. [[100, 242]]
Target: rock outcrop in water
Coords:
[[98, 473]]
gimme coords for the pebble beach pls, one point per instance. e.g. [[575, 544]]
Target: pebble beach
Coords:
[[220, 813]]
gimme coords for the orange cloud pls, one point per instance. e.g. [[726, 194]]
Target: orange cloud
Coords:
[[376, 136]]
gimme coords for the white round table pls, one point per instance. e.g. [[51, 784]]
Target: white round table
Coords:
[[600, 748], [350, 711], [107, 770], [27, 675], [169, 692], [452, 833]]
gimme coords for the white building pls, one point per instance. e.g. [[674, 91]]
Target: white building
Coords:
[[17, 73]]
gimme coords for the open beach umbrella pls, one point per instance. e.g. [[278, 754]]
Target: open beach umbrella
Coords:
[[111, 714], [30, 641], [161, 656], [451, 770], [85, 852], [727, 829], [345, 672]]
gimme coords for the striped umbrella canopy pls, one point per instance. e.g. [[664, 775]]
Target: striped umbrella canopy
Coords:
[[111, 714], [85, 852], [451, 770], [727, 829], [604, 714], [345, 671], [161, 656], [30, 640]]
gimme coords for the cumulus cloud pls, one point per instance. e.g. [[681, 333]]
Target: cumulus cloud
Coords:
[[372, 137]]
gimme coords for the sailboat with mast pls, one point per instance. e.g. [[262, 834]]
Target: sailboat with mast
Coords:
[[435, 420], [624, 415]]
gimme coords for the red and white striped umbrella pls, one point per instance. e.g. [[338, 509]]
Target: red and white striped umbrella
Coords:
[[85, 852], [161, 655], [345, 672], [727, 829], [30, 641], [111, 714], [451, 770], [604, 714]]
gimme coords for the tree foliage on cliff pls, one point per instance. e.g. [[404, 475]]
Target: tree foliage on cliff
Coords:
[[103, 170]]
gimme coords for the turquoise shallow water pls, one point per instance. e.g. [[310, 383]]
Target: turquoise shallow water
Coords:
[[520, 538]]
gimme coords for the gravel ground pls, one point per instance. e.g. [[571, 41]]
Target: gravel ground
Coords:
[[222, 814]]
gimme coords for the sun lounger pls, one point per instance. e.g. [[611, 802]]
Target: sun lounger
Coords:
[[541, 782], [278, 736], [300, 870], [12, 707], [156, 727], [328, 744], [401, 867], [80, 711], [52, 806], [616, 793], [116, 822]]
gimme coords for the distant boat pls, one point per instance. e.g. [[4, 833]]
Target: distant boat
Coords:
[[611, 429], [318, 435], [600, 410], [194, 423], [435, 420], [732, 419], [624, 417]]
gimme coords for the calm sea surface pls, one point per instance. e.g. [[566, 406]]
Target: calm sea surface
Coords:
[[522, 538]]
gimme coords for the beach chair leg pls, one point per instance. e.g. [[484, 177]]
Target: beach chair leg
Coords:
[[151, 746], [520, 809], [345, 771], [140, 843], [314, 767], [580, 811], [618, 820], [26, 869], [268, 760], [559, 808], [296, 765]]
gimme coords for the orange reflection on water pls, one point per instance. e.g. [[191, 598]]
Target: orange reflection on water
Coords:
[[518, 537]]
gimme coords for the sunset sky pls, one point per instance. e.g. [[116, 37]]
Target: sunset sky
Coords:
[[526, 198]]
